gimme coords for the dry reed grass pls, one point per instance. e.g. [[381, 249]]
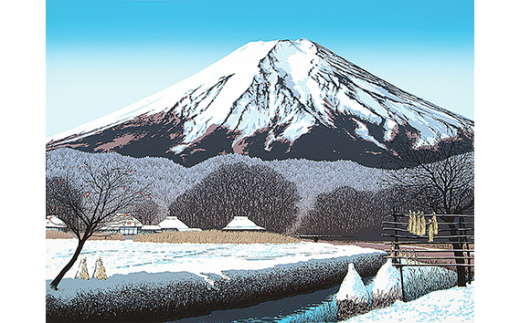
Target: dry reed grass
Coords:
[[446, 246], [105, 236], [52, 234], [216, 236]]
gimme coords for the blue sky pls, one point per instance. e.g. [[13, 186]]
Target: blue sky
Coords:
[[104, 55]]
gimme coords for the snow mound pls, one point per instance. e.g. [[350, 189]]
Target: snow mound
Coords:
[[387, 286], [352, 298], [352, 287], [453, 305]]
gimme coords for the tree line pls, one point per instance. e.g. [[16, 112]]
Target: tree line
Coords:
[[258, 192], [86, 199]]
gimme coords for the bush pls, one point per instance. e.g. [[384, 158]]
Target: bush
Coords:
[[257, 191], [420, 281]]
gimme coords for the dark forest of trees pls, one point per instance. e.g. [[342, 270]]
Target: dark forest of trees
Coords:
[[147, 212], [327, 197], [346, 211], [258, 192]]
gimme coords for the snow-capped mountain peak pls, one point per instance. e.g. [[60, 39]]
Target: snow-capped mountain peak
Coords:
[[265, 96]]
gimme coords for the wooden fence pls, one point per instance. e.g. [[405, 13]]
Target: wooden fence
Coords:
[[325, 237], [451, 244]]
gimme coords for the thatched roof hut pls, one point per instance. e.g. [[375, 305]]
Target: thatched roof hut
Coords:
[[54, 223], [172, 223], [242, 223], [123, 223]]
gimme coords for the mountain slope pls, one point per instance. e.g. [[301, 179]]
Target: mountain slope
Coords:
[[273, 100]]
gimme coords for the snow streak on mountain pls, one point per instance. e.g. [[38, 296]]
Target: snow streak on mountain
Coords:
[[273, 100]]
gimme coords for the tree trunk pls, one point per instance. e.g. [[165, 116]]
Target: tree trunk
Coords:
[[461, 270], [59, 277]]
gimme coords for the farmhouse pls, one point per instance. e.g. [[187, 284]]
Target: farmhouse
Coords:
[[123, 223], [242, 223], [172, 223], [54, 223], [150, 229]]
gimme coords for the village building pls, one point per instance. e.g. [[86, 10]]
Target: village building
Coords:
[[242, 223], [150, 229], [55, 223], [123, 223], [172, 223]]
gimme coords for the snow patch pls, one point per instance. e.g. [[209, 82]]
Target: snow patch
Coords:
[[126, 257], [352, 287], [387, 286], [362, 131], [456, 304]]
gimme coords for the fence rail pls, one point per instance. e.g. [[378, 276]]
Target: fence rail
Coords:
[[433, 265], [455, 236], [326, 237], [440, 230], [438, 242], [436, 250], [455, 229]]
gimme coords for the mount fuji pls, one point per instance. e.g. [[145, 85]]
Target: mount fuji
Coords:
[[273, 100]]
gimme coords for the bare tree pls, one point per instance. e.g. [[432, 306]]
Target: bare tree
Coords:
[[438, 178], [147, 212], [86, 202]]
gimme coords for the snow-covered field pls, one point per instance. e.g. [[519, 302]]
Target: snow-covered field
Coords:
[[126, 257], [453, 305], [134, 262], [154, 282]]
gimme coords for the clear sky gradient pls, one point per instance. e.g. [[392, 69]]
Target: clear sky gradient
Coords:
[[105, 55]]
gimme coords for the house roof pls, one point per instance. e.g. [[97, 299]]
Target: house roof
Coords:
[[242, 223], [151, 227], [54, 222], [171, 222], [122, 220]]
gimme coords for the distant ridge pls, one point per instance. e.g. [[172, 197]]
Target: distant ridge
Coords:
[[271, 100]]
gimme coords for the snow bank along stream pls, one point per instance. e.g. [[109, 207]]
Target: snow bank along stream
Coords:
[[154, 282]]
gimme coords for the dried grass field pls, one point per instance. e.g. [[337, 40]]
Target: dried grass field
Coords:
[[216, 236], [209, 236], [52, 234]]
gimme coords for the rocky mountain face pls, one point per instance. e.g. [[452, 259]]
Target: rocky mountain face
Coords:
[[273, 100]]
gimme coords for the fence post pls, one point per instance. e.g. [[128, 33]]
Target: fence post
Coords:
[[398, 259], [458, 233], [394, 214], [462, 225]]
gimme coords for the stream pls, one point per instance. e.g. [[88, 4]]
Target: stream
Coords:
[[282, 310]]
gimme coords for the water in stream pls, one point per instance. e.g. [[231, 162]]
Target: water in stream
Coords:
[[318, 304], [270, 311]]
